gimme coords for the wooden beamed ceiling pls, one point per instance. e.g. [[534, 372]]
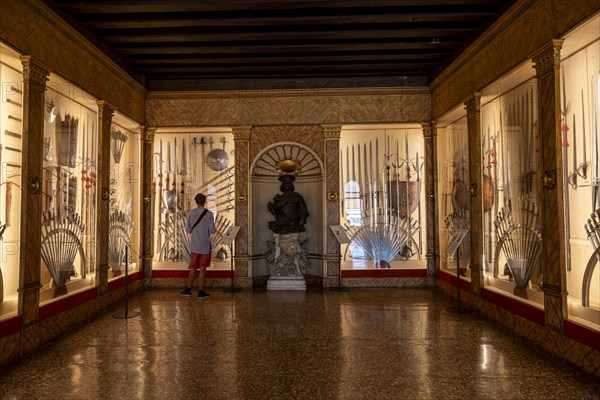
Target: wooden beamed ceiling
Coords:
[[199, 42]]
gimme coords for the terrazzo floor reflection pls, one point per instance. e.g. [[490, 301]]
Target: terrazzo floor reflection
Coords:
[[362, 344]]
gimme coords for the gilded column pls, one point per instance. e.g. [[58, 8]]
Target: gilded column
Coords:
[[147, 217], [429, 135], [34, 87], [241, 141], [472, 105], [331, 258], [105, 114], [547, 66]]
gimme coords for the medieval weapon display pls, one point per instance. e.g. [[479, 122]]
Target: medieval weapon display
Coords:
[[66, 141], [118, 140], [520, 241], [48, 146], [50, 112], [595, 145], [592, 229], [59, 247], [119, 233]]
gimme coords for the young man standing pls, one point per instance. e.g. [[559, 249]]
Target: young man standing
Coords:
[[201, 224]]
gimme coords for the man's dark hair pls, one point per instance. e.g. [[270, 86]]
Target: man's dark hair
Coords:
[[200, 199]]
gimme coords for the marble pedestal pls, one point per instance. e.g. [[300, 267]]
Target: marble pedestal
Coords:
[[287, 261]]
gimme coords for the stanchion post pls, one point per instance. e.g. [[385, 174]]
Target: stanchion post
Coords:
[[228, 240], [126, 314]]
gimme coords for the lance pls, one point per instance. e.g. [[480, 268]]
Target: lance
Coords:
[[418, 166], [376, 180], [353, 169], [360, 181], [202, 160]]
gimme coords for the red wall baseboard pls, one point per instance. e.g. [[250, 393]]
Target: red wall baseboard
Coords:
[[67, 303], [527, 311], [582, 334], [450, 279], [384, 273], [184, 273], [10, 326]]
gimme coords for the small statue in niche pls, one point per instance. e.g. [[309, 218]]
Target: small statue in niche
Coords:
[[288, 208]]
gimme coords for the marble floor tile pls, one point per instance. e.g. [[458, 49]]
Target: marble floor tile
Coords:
[[362, 344]]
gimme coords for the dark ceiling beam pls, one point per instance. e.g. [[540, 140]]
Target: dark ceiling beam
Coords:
[[283, 59], [131, 21], [241, 69], [291, 36], [165, 6], [298, 48]]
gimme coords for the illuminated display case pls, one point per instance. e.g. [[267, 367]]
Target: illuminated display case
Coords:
[[11, 123], [69, 187], [124, 212], [382, 181], [454, 201], [580, 114], [510, 168], [186, 163]]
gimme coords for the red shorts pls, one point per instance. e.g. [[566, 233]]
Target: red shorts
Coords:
[[199, 260]]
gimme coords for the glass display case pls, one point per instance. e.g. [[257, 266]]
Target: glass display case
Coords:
[[11, 124], [454, 201], [580, 113], [382, 174], [510, 168], [124, 212], [186, 163], [68, 190]]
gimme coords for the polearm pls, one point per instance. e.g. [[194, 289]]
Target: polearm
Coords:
[[596, 150], [160, 191], [360, 181], [565, 144]]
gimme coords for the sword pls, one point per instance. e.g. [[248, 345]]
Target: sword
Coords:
[[573, 175], [582, 168]]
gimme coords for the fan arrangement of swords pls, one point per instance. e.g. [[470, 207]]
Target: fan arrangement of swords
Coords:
[[380, 224], [182, 169], [66, 233]]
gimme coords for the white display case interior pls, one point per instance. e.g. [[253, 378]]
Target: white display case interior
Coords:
[[511, 159], [124, 212], [580, 114], [454, 201], [187, 162], [11, 124], [68, 190], [382, 187]]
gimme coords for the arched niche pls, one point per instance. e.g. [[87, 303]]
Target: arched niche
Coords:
[[264, 185]]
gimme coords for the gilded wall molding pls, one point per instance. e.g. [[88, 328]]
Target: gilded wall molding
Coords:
[[547, 58], [105, 111], [34, 72], [241, 133], [332, 132], [147, 134], [473, 104]]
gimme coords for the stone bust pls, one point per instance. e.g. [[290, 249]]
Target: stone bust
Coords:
[[288, 207]]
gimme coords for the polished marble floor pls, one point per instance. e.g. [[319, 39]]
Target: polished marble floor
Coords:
[[362, 344]]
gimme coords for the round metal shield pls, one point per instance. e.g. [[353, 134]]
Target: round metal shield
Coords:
[[405, 197], [488, 193], [459, 195], [217, 160]]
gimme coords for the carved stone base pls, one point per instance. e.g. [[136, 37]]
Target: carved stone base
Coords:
[[286, 283]]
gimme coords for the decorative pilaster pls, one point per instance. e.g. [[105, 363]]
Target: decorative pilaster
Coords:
[[241, 141], [547, 67], [429, 135], [331, 261], [472, 105], [105, 114], [147, 239], [34, 87]]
